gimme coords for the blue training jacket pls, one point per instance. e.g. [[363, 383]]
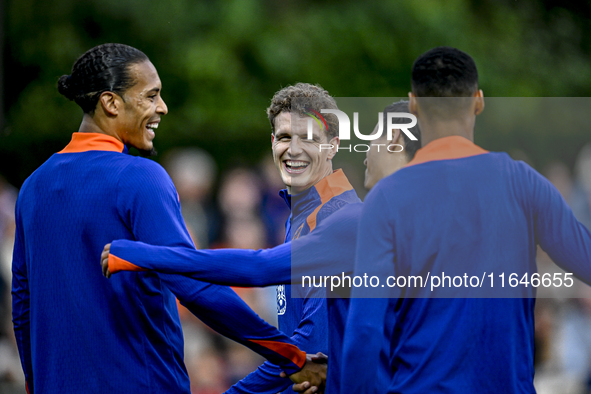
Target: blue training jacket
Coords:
[[456, 208], [76, 331]]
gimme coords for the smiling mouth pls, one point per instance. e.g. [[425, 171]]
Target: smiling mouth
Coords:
[[295, 166], [151, 127]]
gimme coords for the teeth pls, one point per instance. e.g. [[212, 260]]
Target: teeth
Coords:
[[152, 125], [296, 164]]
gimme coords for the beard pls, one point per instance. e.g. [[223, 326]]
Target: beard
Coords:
[[148, 152]]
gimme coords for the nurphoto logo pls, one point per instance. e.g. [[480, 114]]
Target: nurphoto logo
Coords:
[[345, 129]]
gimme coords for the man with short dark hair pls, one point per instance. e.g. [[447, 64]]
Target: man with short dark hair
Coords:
[[455, 207], [313, 192], [77, 332]]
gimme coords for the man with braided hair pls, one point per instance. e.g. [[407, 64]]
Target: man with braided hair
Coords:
[[77, 332]]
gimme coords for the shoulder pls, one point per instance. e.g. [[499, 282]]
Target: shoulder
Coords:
[[336, 203], [145, 179], [347, 215], [139, 166], [141, 172]]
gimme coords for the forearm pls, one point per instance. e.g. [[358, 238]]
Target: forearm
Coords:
[[22, 333], [265, 380], [310, 335], [221, 309]]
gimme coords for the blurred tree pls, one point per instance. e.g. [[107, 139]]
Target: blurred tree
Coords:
[[220, 62]]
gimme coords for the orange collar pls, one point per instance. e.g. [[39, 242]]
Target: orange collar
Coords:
[[84, 142], [332, 185], [446, 148], [328, 187]]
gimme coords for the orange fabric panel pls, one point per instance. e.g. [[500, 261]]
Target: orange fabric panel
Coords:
[[446, 148], [117, 264], [329, 187], [287, 350], [84, 142]]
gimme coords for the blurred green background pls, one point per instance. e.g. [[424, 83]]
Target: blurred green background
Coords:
[[221, 62]]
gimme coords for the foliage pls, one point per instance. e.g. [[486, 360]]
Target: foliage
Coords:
[[221, 62]]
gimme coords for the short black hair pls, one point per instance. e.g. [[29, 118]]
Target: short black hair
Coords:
[[410, 146], [444, 72], [104, 68]]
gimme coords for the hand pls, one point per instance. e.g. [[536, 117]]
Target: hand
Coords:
[[105, 260], [312, 377]]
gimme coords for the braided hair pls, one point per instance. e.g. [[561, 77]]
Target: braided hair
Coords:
[[101, 69]]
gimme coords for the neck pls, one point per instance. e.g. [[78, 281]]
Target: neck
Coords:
[[432, 130], [291, 190], [91, 125]]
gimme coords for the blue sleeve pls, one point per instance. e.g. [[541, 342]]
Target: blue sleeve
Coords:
[[566, 240], [223, 310], [325, 251], [265, 380], [231, 267], [20, 302], [365, 320], [149, 204]]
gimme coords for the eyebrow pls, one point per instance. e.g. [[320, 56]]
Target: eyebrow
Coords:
[[155, 90]]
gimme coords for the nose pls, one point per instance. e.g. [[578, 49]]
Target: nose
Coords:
[[295, 147], [365, 162], [162, 109]]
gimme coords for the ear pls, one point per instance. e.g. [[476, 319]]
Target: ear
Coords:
[[111, 103], [479, 102], [412, 103], [333, 151], [397, 139]]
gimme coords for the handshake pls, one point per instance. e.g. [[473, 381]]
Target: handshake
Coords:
[[312, 377]]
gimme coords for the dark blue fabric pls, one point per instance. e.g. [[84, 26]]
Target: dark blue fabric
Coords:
[[80, 332], [76, 330], [302, 312], [482, 213]]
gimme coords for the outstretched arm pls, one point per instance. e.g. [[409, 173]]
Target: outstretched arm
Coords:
[[325, 251], [566, 240]]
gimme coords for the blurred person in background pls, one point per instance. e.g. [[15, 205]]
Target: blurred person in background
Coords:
[[573, 341], [8, 195], [11, 373], [193, 172], [239, 195]]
